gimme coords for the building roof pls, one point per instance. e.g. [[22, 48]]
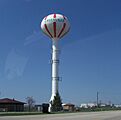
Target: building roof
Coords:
[[11, 101], [68, 104]]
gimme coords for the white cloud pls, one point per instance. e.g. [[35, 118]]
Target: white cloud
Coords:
[[14, 65], [35, 36]]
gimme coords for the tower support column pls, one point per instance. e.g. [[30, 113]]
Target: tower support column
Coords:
[[55, 71]]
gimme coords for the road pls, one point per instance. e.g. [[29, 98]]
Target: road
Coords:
[[112, 115]]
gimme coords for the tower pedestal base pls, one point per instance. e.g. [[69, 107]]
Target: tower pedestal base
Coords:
[[50, 103]]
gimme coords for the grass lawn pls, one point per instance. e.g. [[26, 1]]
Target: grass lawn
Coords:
[[19, 113]]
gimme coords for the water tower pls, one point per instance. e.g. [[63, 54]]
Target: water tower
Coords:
[[55, 26]]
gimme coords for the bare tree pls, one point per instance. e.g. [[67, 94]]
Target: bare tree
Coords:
[[30, 101]]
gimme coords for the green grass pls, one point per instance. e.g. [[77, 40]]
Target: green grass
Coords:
[[19, 113], [40, 113], [98, 109]]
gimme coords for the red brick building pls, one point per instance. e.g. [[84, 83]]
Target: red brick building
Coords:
[[11, 105]]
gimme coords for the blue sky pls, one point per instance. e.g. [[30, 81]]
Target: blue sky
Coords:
[[90, 58]]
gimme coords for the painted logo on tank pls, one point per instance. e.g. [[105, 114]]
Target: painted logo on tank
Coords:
[[54, 20]]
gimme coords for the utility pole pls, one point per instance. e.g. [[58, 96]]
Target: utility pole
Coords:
[[97, 99]]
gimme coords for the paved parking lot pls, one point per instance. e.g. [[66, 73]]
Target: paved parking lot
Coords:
[[111, 115]]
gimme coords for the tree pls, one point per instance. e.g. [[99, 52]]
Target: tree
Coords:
[[57, 103], [30, 101]]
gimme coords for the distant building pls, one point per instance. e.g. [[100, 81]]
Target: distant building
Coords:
[[117, 106], [102, 105], [68, 107], [38, 108], [11, 105], [88, 105], [91, 105], [83, 105]]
